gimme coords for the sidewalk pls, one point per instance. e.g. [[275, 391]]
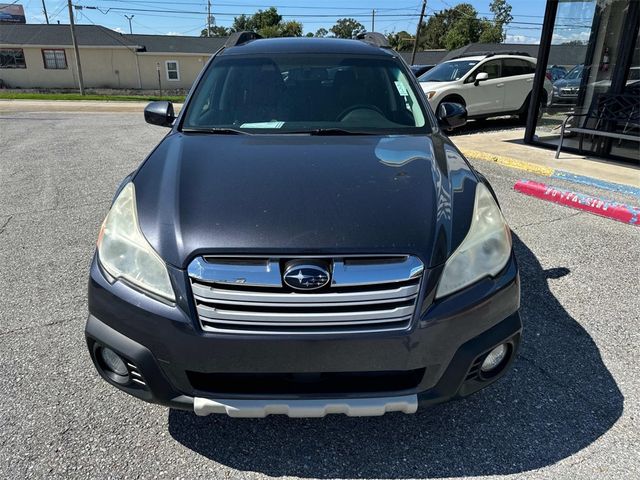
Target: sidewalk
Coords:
[[74, 106], [507, 148]]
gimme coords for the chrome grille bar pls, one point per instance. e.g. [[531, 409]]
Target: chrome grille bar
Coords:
[[204, 293], [247, 295]]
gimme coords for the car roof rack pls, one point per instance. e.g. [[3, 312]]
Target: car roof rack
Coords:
[[240, 38], [490, 54], [374, 38]]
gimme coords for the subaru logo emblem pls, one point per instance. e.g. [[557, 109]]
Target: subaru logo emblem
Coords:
[[306, 277]]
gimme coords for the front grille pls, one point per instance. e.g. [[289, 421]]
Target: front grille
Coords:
[[247, 295]]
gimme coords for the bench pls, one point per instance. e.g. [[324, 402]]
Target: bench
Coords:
[[610, 116]]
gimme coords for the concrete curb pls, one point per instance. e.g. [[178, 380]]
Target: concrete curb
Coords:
[[580, 201], [552, 172], [509, 162]]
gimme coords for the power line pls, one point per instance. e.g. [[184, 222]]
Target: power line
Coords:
[[301, 15], [223, 4]]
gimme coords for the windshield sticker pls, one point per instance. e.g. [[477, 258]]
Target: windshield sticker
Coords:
[[401, 89]]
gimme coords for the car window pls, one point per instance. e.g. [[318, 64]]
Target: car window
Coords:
[[491, 68], [448, 71], [574, 73], [299, 93], [515, 66]]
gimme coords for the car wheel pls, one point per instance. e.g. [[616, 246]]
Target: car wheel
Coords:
[[522, 116]]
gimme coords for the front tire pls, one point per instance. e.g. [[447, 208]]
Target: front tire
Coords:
[[522, 116]]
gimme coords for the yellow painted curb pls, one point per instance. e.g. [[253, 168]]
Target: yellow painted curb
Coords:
[[509, 162]]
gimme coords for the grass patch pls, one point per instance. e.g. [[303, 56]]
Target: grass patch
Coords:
[[77, 96]]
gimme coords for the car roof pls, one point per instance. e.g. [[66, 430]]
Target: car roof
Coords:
[[491, 57], [307, 45]]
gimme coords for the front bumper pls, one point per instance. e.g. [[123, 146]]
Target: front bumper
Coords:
[[165, 347]]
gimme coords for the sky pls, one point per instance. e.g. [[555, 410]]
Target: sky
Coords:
[[164, 18]]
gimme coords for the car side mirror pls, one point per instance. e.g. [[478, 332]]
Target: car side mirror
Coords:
[[451, 115], [481, 77], [159, 113]]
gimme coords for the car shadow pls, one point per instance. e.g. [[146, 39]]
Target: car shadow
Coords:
[[558, 398], [487, 125]]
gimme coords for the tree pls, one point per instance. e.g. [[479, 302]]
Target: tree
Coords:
[[241, 24], [494, 32], [321, 33], [347, 28], [465, 29], [216, 31], [451, 28], [291, 29], [267, 23], [265, 19], [401, 41], [458, 26]]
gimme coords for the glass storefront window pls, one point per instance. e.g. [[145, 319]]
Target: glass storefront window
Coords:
[[585, 58]]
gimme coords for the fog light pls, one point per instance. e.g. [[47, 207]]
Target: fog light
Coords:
[[495, 358], [113, 362]]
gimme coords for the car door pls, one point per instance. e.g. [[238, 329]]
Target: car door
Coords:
[[488, 96], [517, 75]]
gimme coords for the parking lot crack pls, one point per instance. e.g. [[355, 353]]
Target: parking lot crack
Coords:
[[31, 327], [3, 227], [56, 208], [552, 220], [556, 381]]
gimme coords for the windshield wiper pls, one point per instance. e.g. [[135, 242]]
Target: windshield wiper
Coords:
[[334, 131], [216, 130]]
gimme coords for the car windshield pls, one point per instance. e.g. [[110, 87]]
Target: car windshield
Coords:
[[294, 93], [574, 73], [448, 71]]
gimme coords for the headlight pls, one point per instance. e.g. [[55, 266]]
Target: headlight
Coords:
[[484, 251], [430, 94], [124, 252]]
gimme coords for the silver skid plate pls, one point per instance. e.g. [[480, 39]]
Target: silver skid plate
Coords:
[[353, 407]]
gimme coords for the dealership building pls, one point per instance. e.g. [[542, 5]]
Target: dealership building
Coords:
[[601, 93]]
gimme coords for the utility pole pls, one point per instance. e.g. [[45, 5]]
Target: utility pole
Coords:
[[129, 18], [373, 20], [159, 82], [44, 10], [75, 47], [415, 43], [208, 18]]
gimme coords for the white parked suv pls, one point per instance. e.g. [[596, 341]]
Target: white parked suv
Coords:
[[487, 84]]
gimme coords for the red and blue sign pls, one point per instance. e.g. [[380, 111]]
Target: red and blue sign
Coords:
[[580, 201]]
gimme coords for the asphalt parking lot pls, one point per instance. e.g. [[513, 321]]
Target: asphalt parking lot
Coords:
[[569, 407]]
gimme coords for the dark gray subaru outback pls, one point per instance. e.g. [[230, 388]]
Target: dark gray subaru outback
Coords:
[[305, 240]]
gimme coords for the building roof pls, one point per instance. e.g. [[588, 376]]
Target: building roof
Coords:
[[179, 44], [425, 57], [60, 35], [470, 49], [306, 45], [99, 36], [558, 55]]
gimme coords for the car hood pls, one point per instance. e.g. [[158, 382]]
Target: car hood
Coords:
[[428, 86], [562, 83], [300, 194]]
